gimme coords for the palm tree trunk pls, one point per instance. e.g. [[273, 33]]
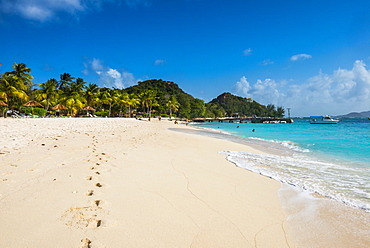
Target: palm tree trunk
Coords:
[[120, 111]]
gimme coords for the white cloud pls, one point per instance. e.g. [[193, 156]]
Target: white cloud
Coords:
[[96, 65], [35, 13], [109, 77], [243, 87], [247, 52], [300, 57], [159, 62], [341, 92], [267, 62], [45, 10], [265, 91]]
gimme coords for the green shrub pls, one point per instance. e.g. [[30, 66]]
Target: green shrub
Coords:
[[102, 114], [36, 111]]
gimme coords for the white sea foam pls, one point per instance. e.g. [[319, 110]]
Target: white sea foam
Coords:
[[288, 144], [213, 130], [342, 183]]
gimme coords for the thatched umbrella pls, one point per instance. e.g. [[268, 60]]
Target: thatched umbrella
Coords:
[[59, 107], [33, 104], [89, 108]]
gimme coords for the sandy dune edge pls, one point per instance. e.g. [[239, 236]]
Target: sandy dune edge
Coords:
[[127, 183]]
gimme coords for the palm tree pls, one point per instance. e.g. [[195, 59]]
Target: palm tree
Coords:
[[12, 90], [148, 99], [91, 94], [172, 104], [270, 110], [65, 80], [74, 102], [132, 101], [21, 73], [106, 96], [78, 85], [280, 112], [48, 93], [121, 98]]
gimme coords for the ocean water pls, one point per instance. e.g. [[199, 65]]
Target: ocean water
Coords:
[[331, 160]]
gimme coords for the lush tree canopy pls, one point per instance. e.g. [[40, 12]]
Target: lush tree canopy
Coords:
[[147, 98]]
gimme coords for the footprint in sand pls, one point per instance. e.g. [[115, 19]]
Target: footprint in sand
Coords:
[[97, 172], [98, 185], [85, 243], [89, 178], [96, 223], [97, 203], [90, 193]]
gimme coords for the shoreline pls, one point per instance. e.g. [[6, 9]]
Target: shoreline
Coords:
[[147, 184], [319, 216]]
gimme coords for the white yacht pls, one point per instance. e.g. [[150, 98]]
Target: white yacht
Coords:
[[322, 119]]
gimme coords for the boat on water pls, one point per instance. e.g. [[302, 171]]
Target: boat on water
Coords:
[[322, 119]]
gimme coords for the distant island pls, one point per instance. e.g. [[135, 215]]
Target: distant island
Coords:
[[70, 96], [364, 114]]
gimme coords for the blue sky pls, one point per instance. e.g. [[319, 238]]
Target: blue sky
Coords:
[[310, 56]]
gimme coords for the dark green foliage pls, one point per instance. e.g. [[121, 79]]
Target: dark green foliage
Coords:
[[29, 110], [214, 110], [161, 87], [198, 108], [185, 107], [236, 105], [240, 106], [102, 114]]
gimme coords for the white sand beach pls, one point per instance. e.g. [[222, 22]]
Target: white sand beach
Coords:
[[104, 182]]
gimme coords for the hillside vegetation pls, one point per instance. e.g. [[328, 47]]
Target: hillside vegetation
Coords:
[[148, 98]]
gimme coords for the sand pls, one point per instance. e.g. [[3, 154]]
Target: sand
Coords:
[[104, 182]]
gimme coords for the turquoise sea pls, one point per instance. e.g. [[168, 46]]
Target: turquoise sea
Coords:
[[332, 160]]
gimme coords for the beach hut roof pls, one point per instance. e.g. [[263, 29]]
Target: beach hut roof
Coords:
[[59, 106], [89, 108], [32, 104]]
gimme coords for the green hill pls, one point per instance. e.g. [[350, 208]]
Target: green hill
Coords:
[[225, 104], [160, 86], [241, 106]]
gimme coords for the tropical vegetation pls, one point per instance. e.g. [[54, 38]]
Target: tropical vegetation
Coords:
[[146, 99]]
